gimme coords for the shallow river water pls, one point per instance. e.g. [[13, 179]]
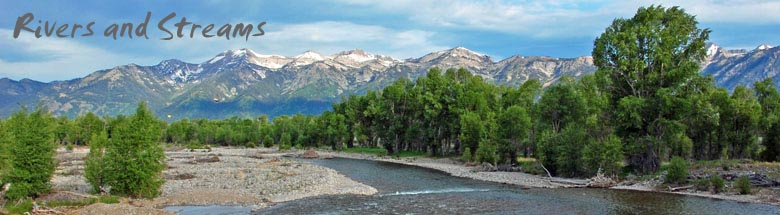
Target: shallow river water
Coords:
[[413, 190]]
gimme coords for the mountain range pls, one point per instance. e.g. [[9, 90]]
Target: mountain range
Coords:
[[246, 84]]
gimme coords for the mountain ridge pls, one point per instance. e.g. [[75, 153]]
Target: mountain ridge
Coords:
[[244, 83]]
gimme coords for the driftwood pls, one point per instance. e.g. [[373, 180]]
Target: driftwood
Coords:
[[570, 181], [545, 169], [601, 180], [42, 210], [675, 189]]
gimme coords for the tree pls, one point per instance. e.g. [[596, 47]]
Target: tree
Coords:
[[5, 143], [30, 153], [514, 124], [769, 98], [95, 169], [648, 59], [134, 156]]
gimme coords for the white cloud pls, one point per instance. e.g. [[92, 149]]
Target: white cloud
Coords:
[[58, 58], [564, 18], [66, 58], [326, 37]]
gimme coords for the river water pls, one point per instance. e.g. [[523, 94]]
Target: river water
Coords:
[[413, 190]]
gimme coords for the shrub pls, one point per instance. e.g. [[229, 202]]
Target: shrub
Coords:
[[466, 156], [717, 183], [678, 171], [268, 141], [702, 184], [30, 153], [743, 185]]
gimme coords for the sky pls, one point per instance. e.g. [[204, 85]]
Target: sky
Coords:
[[401, 29]]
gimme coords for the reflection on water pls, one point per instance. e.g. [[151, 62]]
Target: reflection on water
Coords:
[[411, 190]]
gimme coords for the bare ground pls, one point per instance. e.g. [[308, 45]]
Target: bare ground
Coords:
[[223, 176]]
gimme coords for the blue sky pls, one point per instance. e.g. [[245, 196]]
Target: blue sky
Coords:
[[401, 28]]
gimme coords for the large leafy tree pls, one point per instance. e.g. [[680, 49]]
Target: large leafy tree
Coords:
[[648, 59], [769, 98], [30, 152], [134, 156]]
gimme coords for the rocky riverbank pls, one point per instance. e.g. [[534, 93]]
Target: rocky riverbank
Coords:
[[222, 176], [457, 168]]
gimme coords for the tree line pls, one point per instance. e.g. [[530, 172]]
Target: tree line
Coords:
[[644, 105]]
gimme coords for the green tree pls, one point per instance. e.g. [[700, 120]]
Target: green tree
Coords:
[[769, 98], [95, 168], [513, 126], [5, 143], [285, 143], [134, 156], [30, 153], [648, 59]]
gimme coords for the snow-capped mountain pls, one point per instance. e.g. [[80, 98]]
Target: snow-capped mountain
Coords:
[[741, 67], [244, 83]]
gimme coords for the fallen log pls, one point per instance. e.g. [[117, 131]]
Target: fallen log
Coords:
[[675, 189]]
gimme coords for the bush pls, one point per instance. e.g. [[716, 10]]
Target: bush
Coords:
[[743, 185], [702, 184], [466, 156], [717, 183], [268, 141], [251, 145], [677, 172], [30, 153]]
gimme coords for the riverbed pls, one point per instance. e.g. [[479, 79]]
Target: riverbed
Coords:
[[404, 189]]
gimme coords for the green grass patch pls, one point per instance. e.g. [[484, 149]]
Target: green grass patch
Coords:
[[84, 202], [19, 206], [26, 205], [404, 154], [366, 150], [531, 166]]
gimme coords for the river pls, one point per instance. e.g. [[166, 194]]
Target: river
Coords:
[[413, 190]]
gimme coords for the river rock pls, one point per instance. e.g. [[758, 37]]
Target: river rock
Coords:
[[310, 154]]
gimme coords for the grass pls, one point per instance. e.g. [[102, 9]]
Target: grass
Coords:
[[26, 205], [404, 154], [531, 166], [366, 150], [19, 207]]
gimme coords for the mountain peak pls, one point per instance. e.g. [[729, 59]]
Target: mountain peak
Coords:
[[763, 47], [241, 52], [355, 55], [309, 54], [712, 49]]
